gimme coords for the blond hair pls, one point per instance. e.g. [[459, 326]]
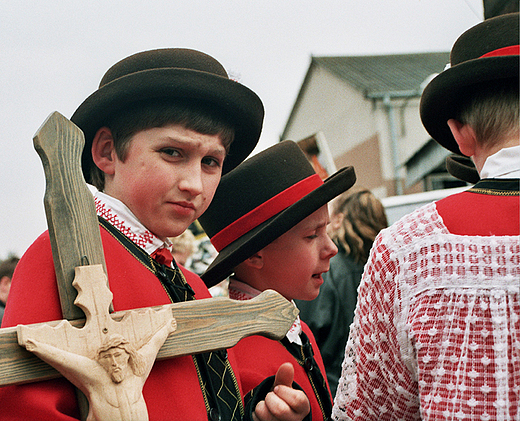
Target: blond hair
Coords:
[[492, 111], [184, 243], [363, 216]]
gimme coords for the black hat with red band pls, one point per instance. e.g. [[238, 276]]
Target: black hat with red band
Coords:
[[485, 53], [260, 200]]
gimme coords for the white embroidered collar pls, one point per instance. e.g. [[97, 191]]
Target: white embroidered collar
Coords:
[[121, 217], [241, 291], [503, 164]]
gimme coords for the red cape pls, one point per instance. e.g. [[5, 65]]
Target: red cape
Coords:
[[172, 390]]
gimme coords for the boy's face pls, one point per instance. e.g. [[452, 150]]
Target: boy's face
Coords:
[[168, 177], [294, 262]]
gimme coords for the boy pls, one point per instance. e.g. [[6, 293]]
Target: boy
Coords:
[[436, 328], [162, 127], [356, 218], [269, 220]]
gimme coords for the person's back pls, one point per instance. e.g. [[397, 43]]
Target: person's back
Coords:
[[437, 325], [273, 235]]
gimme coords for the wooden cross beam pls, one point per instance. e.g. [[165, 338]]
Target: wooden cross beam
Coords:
[[200, 326]]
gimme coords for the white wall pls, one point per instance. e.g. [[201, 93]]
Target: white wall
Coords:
[[334, 108]]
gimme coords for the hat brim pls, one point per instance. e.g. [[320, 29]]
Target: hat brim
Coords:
[[244, 108], [463, 168], [442, 96], [265, 233]]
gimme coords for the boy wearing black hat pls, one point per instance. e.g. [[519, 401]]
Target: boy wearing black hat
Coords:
[[268, 220], [437, 324], [159, 132]]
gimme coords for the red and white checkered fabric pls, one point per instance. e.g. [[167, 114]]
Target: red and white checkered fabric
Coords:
[[436, 334]]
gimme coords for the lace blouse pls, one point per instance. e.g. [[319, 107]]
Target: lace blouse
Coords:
[[436, 334]]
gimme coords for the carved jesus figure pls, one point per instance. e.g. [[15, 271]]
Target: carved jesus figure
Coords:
[[113, 380]]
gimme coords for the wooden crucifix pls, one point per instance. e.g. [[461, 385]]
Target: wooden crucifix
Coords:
[[95, 351]]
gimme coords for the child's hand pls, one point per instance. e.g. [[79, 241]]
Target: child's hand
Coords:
[[283, 403]]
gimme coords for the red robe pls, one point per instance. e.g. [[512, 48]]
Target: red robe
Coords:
[[172, 390], [259, 357], [483, 213]]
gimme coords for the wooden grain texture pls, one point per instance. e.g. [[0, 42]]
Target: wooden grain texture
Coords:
[[69, 206], [202, 325], [70, 211]]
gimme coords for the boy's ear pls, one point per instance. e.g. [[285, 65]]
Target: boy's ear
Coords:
[[464, 136], [5, 283], [103, 150]]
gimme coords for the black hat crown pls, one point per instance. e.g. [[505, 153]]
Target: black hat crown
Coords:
[[173, 73], [260, 200], [485, 53]]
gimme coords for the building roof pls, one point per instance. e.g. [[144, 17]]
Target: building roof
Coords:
[[375, 75]]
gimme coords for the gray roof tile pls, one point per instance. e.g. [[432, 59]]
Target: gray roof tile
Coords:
[[383, 73]]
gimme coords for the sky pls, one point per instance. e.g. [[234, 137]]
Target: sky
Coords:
[[54, 53]]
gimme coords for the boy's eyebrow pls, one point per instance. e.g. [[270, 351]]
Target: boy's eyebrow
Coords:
[[324, 224], [218, 150], [316, 225]]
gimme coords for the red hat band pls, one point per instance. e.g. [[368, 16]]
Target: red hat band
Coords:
[[512, 50], [266, 210]]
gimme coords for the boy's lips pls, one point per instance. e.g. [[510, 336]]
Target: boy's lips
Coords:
[[318, 275], [183, 207]]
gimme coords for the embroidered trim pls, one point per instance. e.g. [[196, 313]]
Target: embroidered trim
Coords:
[[108, 214], [497, 187], [493, 192], [241, 291]]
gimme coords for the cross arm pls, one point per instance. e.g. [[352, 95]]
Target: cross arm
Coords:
[[202, 325]]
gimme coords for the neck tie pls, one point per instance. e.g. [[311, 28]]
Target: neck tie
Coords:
[[163, 256]]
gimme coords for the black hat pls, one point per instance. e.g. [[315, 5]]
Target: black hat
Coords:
[[260, 200], [463, 168], [173, 73], [484, 53]]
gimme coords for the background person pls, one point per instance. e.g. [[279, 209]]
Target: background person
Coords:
[[183, 247], [7, 268]]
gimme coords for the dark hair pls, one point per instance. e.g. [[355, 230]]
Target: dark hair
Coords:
[[363, 217], [194, 115], [8, 266]]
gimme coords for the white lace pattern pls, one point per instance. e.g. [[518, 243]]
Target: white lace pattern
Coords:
[[436, 335]]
